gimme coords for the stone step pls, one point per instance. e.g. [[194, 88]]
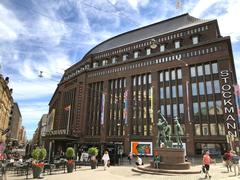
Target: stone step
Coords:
[[148, 169], [153, 173]]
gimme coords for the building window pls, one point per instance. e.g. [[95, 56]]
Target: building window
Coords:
[[216, 86], [174, 110], [173, 75], [211, 109], [161, 77], [213, 129], [168, 110], [197, 130], [139, 80], [207, 69], [114, 60], [181, 109], [194, 89], [195, 109], [201, 88], [221, 129], [144, 79], [179, 73], [219, 107], [195, 40], [180, 91], [209, 87], [162, 109], [173, 91], [161, 93], [193, 71], [95, 64], [205, 129], [214, 68], [148, 51], [104, 62], [149, 78], [177, 44], [134, 81], [167, 92], [136, 54], [125, 56], [166, 75], [162, 47], [200, 70], [203, 108]]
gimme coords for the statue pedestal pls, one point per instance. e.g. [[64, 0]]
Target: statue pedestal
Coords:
[[171, 158]]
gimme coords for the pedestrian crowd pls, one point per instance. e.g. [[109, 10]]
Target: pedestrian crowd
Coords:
[[230, 159]]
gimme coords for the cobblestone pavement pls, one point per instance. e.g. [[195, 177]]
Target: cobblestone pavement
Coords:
[[218, 172]]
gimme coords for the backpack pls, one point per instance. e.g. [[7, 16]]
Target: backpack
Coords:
[[235, 159], [224, 157]]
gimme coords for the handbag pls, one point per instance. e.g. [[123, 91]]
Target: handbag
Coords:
[[108, 164], [203, 169]]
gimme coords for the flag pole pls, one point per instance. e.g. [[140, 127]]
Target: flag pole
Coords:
[[69, 110]]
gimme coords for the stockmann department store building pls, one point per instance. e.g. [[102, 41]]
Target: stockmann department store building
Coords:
[[109, 99]]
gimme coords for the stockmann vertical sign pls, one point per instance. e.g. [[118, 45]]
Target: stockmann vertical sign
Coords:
[[228, 106]]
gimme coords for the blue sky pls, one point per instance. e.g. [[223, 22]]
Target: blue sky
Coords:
[[50, 36]]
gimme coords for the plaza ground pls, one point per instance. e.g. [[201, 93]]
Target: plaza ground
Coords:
[[218, 172]]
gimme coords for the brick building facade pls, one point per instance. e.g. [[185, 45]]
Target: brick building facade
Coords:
[[182, 66]]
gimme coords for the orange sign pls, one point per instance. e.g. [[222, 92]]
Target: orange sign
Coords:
[[141, 148]]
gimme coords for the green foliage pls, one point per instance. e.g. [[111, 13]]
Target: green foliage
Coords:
[[39, 154], [93, 151], [35, 153], [70, 153], [42, 154]]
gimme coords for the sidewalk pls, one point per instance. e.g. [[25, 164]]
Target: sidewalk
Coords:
[[218, 172]]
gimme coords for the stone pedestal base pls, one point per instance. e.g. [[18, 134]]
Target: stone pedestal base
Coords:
[[171, 158]]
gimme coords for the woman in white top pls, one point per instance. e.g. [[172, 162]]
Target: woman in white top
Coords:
[[139, 161], [105, 159]]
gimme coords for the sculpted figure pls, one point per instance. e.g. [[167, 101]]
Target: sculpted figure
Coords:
[[178, 132], [164, 130]]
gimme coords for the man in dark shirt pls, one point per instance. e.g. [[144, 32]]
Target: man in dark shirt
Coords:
[[227, 158]]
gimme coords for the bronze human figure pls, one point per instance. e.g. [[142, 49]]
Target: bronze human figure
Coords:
[[164, 131], [178, 132]]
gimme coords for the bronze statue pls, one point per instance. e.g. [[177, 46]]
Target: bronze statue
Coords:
[[164, 131], [178, 132]]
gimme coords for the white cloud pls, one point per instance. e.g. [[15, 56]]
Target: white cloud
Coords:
[[10, 26], [135, 4], [34, 89], [227, 22], [31, 115], [48, 31], [202, 5]]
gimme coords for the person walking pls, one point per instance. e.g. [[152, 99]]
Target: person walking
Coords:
[[106, 160], [3, 165], [235, 163], [130, 156], [206, 164], [227, 158]]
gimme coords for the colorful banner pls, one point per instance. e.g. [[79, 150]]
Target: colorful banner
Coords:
[[50, 121], [142, 148], [102, 109], [237, 95], [125, 111], [151, 110]]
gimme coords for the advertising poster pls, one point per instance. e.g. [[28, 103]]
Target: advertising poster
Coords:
[[142, 148]]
